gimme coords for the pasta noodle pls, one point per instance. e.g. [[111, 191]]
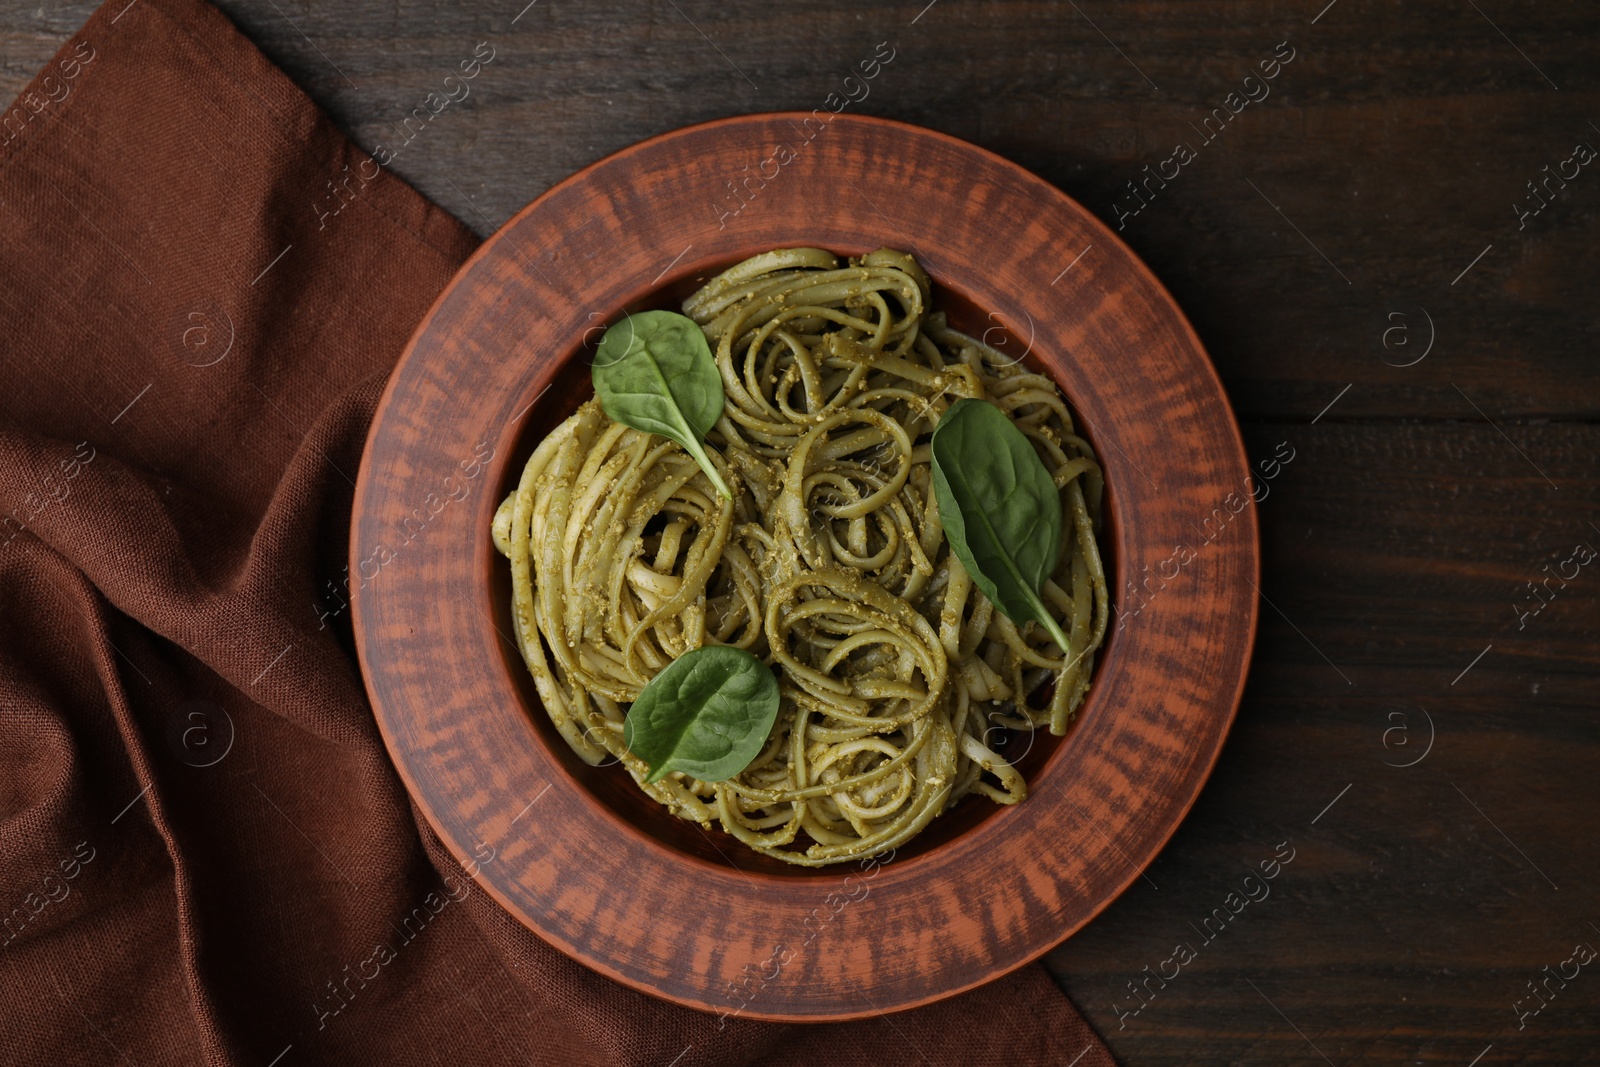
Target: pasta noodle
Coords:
[[830, 562]]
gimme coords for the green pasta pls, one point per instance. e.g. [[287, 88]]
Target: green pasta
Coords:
[[829, 563]]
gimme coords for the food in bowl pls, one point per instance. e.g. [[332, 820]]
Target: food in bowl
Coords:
[[807, 555]]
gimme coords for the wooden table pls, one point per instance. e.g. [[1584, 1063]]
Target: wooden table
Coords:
[[1387, 300]]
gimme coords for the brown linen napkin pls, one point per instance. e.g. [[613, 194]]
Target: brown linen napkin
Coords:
[[202, 841]]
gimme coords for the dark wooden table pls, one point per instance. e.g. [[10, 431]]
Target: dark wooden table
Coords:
[[1386, 297]]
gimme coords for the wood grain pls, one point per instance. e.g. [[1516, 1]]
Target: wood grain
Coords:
[[1423, 902], [1397, 141], [610, 877]]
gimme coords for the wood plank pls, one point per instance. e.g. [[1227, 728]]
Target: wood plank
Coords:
[[1423, 900], [1386, 158]]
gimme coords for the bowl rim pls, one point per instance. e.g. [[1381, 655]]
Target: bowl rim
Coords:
[[1201, 766]]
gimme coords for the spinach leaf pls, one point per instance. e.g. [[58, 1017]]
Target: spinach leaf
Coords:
[[654, 372], [707, 714], [1000, 507]]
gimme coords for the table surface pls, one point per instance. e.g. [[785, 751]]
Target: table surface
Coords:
[[1387, 299]]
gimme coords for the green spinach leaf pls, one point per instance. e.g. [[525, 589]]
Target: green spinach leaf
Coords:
[[708, 714], [1000, 507], [654, 371]]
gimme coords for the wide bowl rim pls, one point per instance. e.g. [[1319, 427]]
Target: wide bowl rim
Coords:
[[1200, 767]]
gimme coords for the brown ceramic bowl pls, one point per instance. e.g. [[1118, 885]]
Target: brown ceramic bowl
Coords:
[[582, 857]]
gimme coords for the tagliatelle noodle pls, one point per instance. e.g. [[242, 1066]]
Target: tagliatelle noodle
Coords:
[[898, 678]]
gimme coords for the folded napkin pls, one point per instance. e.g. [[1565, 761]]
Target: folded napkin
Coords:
[[203, 844]]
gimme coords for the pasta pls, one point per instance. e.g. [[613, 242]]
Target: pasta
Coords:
[[829, 563]]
